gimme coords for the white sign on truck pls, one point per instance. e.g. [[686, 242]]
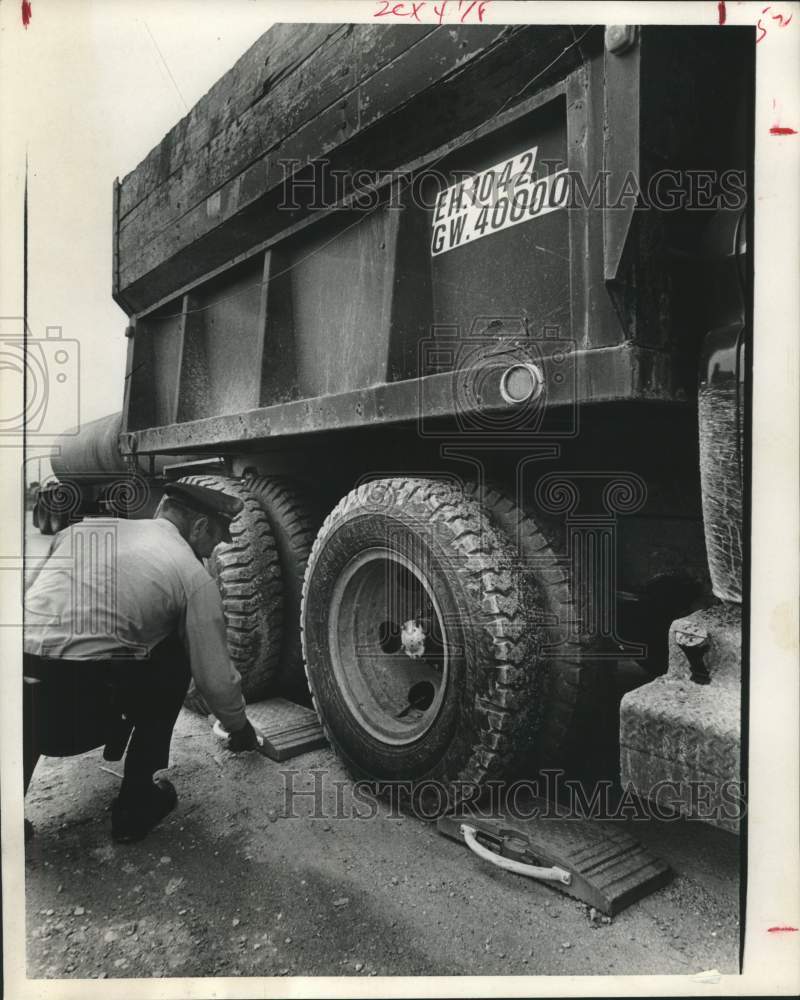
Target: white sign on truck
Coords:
[[505, 195]]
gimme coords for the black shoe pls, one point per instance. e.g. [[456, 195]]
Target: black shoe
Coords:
[[133, 820]]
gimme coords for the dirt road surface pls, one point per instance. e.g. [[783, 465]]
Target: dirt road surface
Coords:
[[249, 877], [229, 884]]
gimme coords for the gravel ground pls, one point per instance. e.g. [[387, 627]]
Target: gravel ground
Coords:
[[229, 885]]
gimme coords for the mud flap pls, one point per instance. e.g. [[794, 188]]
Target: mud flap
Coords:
[[607, 867]]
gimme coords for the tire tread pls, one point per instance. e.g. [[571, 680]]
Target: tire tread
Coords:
[[485, 568], [248, 575]]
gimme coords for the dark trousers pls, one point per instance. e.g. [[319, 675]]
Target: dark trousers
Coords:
[[71, 706]]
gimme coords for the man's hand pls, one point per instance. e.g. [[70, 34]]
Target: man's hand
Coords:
[[245, 739]]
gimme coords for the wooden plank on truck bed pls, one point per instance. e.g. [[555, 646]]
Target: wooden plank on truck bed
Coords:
[[196, 160], [204, 160], [278, 52], [448, 81]]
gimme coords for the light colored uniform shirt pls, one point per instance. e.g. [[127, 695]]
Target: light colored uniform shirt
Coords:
[[117, 588]]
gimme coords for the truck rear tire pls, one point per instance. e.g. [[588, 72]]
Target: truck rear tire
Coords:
[[294, 525], [247, 572], [577, 690], [416, 637]]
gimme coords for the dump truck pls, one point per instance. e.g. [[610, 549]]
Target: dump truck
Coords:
[[462, 314]]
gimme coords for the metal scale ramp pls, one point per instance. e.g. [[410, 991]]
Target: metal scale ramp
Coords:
[[288, 729], [597, 862]]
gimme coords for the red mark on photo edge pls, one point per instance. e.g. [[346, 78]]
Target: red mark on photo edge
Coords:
[[777, 930], [782, 130], [27, 11], [723, 14]]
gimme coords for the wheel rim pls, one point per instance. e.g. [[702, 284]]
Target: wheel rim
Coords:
[[388, 646]]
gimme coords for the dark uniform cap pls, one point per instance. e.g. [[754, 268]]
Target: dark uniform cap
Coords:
[[205, 501]]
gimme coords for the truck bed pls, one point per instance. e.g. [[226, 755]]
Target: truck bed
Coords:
[[268, 301], [367, 97]]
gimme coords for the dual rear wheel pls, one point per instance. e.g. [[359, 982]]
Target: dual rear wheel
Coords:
[[416, 635], [260, 576], [438, 627]]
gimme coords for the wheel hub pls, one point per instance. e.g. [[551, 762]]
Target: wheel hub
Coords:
[[388, 647], [412, 639]]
